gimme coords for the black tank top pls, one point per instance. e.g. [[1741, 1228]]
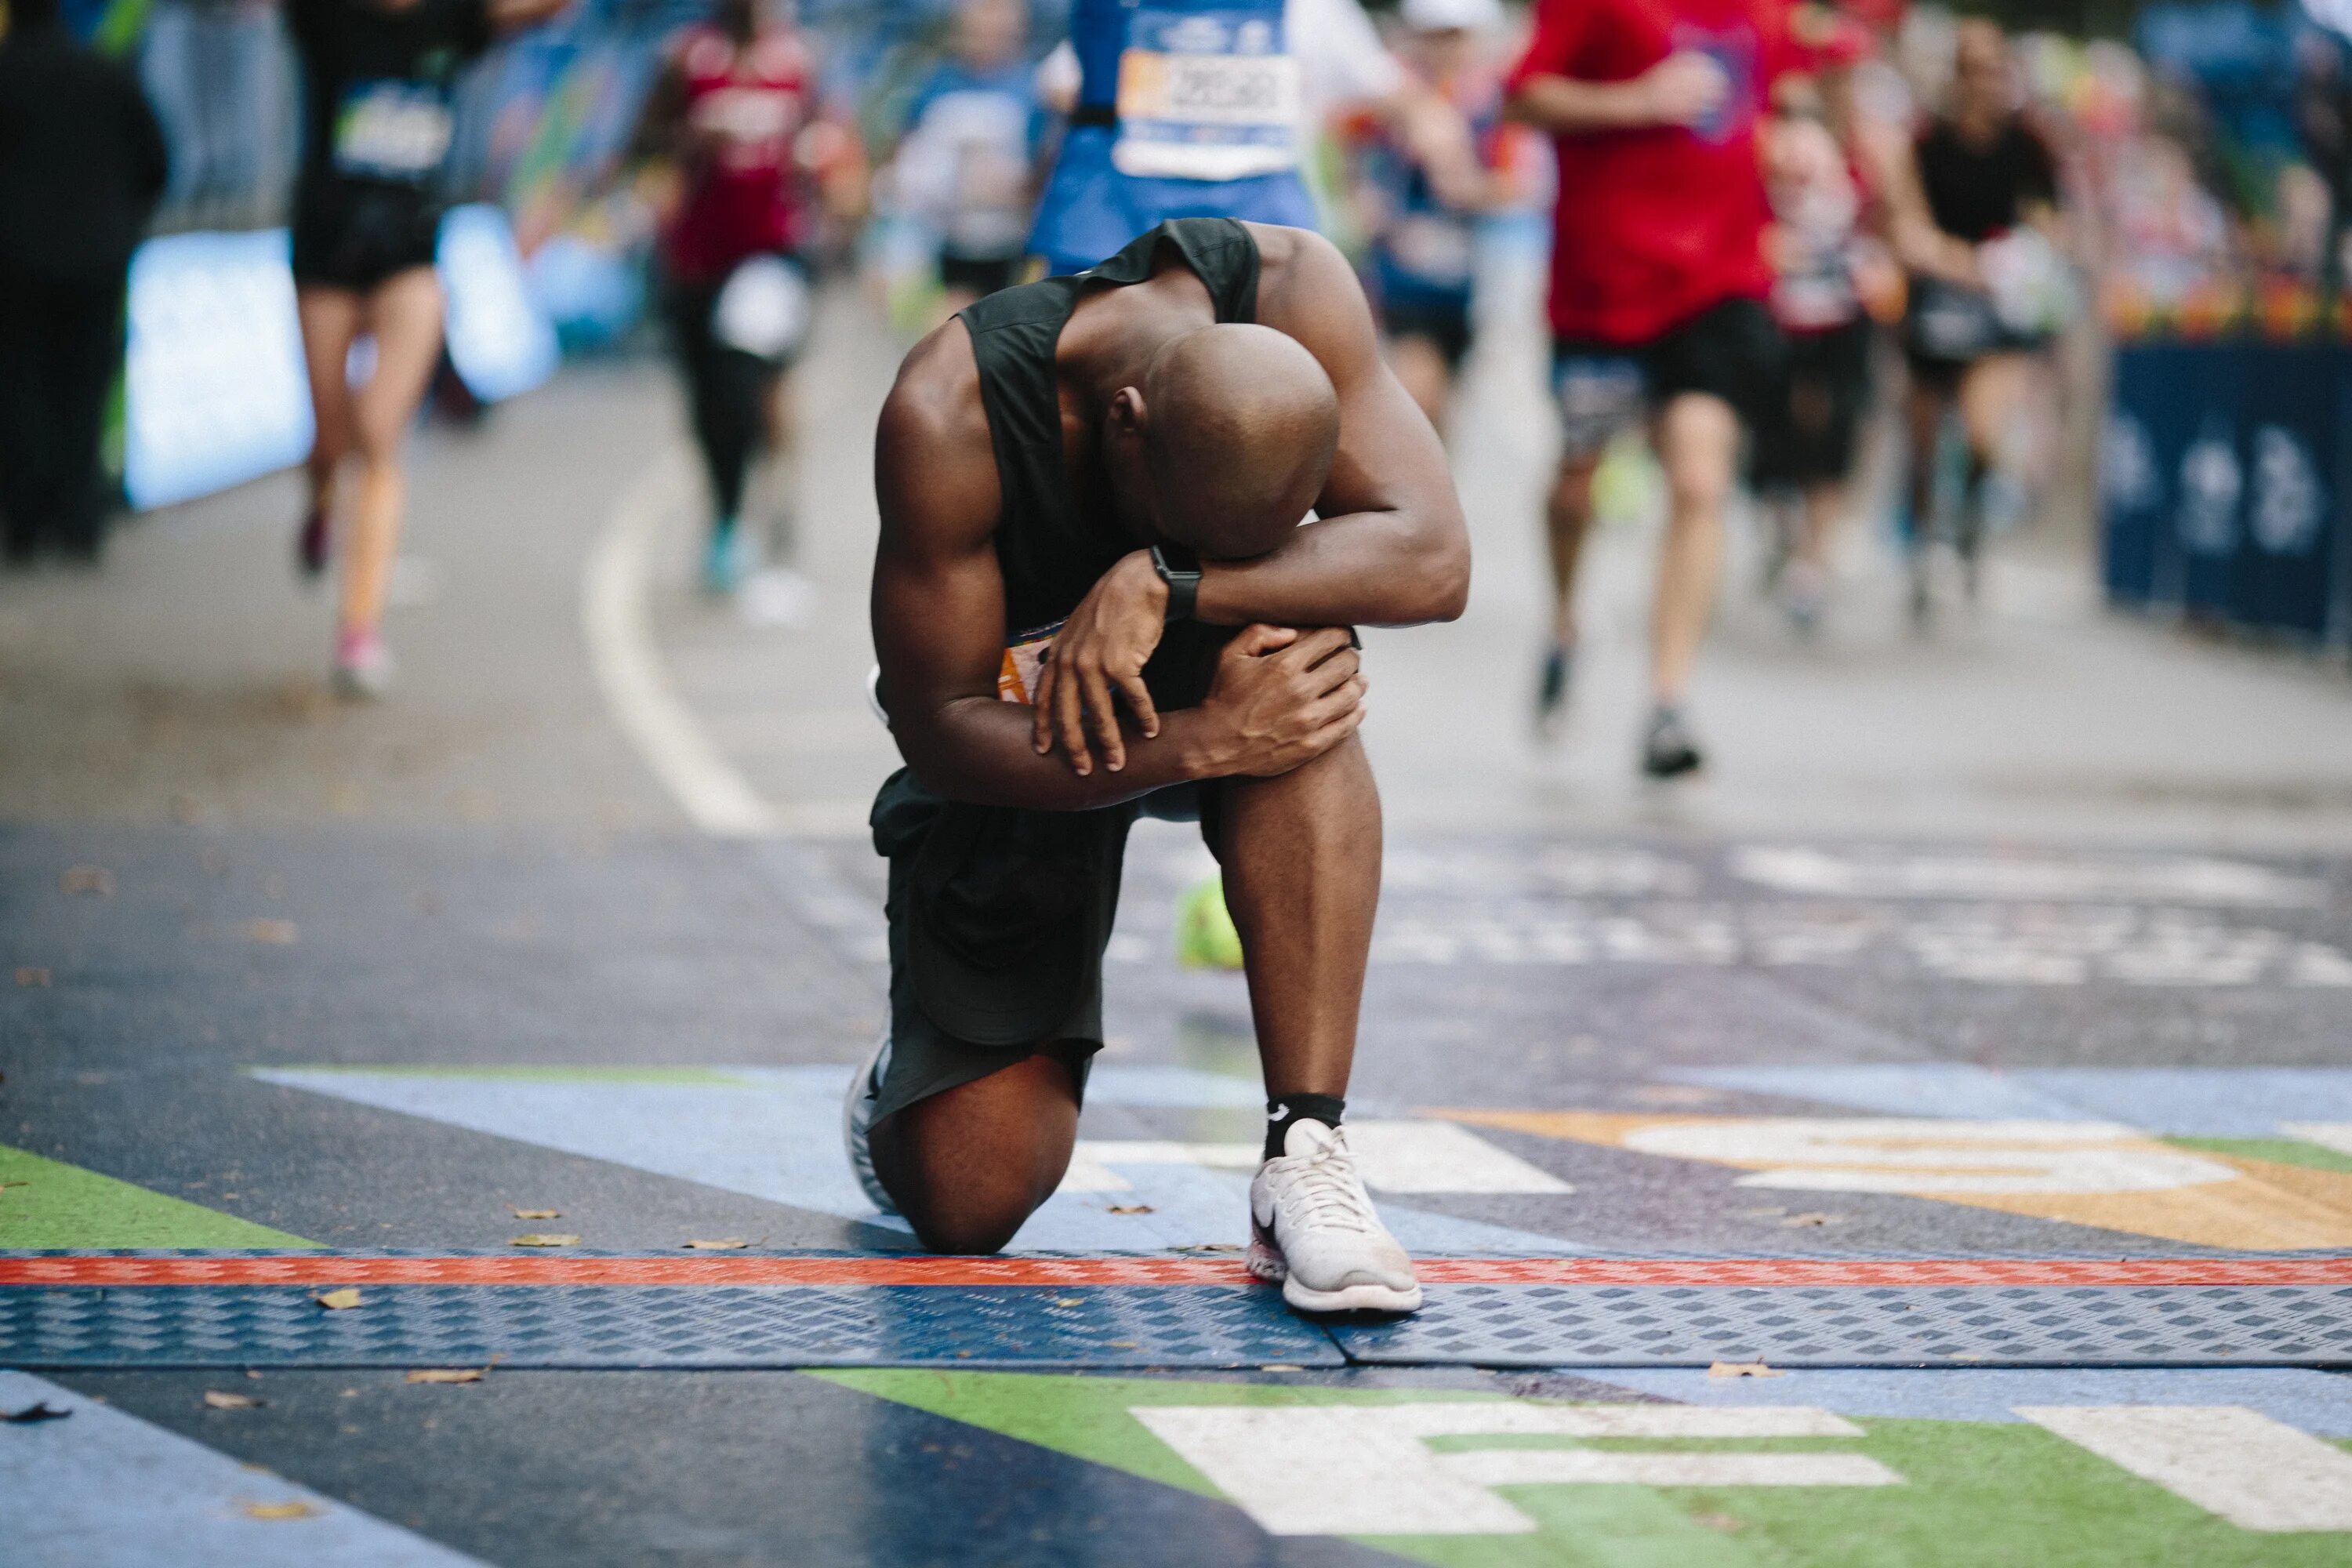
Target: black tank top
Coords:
[[1049, 549]]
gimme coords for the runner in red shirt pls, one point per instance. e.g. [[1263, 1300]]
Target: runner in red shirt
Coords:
[[1657, 287], [735, 109]]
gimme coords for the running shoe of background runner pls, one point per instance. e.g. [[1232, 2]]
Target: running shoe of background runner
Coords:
[[1668, 751], [726, 560], [311, 544], [857, 1121], [1313, 1229], [1551, 686], [363, 666]]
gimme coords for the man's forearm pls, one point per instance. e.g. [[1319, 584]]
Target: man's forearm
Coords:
[[1566, 106], [1373, 568], [978, 749]]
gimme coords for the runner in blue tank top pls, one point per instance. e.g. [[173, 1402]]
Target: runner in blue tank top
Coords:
[[1193, 108]]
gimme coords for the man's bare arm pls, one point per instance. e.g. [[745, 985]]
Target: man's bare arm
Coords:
[[1681, 90], [939, 630], [1391, 548]]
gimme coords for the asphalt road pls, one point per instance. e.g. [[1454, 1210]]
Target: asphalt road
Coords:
[[2026, 946]]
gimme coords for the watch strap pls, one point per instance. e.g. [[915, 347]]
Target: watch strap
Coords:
[[1180, 570]]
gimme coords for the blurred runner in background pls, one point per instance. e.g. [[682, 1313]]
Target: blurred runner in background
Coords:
[[1206, 108], [1658, 285], [735, 112], [380, 79], [1831, 277], [81, 166], [1974, 210], [969, 162], [1420, 205]]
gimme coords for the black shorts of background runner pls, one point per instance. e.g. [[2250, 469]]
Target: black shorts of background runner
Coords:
[[358, 236], [1732, 350], [1442, 320], [1810, 439], [726, 390], [979, 275]]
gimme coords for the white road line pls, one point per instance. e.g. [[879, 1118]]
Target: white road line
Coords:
[[619, 631], [104, 1490], [2257, 1473]]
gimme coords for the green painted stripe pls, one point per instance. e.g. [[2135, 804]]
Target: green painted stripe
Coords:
[[2277, 1151], [59, 1205], [1975, 1495]]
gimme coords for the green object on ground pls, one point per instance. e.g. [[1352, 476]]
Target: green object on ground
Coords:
[[2277, 1151], [46, 1204], [1205, 937]]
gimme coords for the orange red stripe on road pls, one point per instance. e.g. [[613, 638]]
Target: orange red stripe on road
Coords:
[[111, 1272]]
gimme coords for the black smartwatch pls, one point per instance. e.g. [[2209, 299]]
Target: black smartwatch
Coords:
[[1180, 570]]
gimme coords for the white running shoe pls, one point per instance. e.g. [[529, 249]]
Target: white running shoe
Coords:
[[857, 1121], [363, 670], [1312, 1227]]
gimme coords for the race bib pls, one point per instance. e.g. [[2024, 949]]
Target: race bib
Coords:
[[1206, 95], [762, 309], [1016, 678], [397, 130]]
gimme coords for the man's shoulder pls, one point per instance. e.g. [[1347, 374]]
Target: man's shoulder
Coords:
[[1301, 276], [933, 437]]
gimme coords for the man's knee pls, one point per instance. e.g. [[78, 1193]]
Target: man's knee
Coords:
[[969, 1166]]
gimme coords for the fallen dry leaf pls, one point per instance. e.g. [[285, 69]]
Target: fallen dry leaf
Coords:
[[534, 1214], [1281, 1366], [544, 1238], [1743, 1369], [1212, 1246], [446, 1375], [1800, 1219], [1069, 1301], [1130, 1208], [28, 975], [276, 933], [336, 1300], [298, 1508], [718, 1244], [95, 880], [44, 1411], [220, 1401], [1124, 1345]]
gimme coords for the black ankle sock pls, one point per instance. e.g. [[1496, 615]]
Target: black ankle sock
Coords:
[[1280, 1113]]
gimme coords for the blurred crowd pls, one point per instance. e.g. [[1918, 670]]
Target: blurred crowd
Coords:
[[1945, 202]]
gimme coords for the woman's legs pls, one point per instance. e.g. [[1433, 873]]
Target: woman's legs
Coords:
[[403, 313]]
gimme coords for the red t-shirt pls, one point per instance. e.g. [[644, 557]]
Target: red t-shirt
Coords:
[[1655, 226], [744, 197]]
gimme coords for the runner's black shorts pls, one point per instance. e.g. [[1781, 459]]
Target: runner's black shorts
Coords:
[[979, 275], [1809, 436], [1732, 350], [359, 234], [1443, 319]]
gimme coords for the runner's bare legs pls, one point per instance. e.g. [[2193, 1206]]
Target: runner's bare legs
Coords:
[[1302, 864]]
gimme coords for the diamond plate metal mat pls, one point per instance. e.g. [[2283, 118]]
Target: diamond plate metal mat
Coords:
[[642, 1326], [1793, 1326], [583, 1308]]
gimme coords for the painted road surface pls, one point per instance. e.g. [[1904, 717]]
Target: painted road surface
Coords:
[[1891, 1151]]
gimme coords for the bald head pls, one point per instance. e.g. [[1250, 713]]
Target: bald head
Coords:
[[1239, 429]]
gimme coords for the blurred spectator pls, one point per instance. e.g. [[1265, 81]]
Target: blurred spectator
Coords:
[[968, 165], [1974, 214], [82, 166], [1420, 199], [1658, 283]]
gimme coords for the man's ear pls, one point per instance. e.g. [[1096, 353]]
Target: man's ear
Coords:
[[1128, 414]]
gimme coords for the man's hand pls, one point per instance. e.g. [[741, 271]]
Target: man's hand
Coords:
[[1280, 699], [1103, 645], [1682, 88]]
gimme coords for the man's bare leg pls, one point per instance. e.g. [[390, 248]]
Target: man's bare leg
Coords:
[[1302, 872], [1568, 518], [1697, 438], [967, 1166]]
